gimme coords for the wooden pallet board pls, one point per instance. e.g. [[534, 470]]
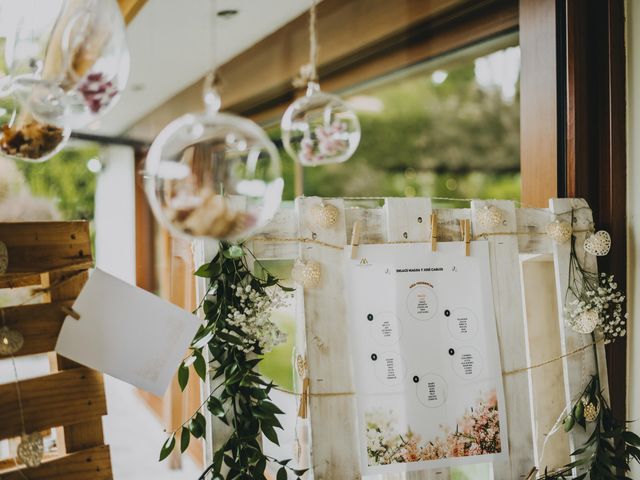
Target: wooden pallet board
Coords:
[[53, 256], [39, 324], [90, 464], [62, 398]]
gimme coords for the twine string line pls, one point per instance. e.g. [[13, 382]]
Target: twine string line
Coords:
[[482, 236], [504, 373]]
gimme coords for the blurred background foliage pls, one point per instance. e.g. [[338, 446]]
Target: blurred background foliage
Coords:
[[428, 133]]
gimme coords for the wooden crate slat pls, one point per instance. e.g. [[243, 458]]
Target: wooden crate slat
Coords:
[[92, 464], [576, 368], [509, 312], [327, 348], [58, 399], [43, 246], [39, 324]]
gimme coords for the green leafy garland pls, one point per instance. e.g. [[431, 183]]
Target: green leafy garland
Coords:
[[237, 332], [610, 447]]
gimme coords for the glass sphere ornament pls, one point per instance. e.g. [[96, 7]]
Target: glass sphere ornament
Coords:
[[320, 129], [213, 175], [70, 70], [23, 137]]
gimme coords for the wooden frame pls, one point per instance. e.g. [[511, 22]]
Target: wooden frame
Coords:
[[55, 256], [522, 316]]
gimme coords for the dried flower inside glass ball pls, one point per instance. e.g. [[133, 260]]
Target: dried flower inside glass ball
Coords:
[[11, 341], [489, 216], [559, 231], [324, 215], [31, 450], [308, 273], [598, 244]]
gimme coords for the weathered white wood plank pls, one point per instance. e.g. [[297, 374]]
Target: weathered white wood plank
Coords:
[[576, 368], [333, 429], [507, 293], [543, 343]]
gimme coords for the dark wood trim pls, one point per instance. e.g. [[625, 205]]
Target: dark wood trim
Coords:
[[596, 140], [145, 232], [382, 37], [538, 102]]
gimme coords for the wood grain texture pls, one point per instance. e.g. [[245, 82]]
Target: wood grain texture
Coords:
[[507, 300], [327, 350], [44, 246], [538, 102], [39, 324], [91, 464], [577, 369], [58, 399], [543, 343]]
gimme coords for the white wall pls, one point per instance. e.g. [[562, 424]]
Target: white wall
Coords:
[[633, 214], [115, 214]]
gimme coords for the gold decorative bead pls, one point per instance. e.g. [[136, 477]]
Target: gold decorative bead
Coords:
[[489, 216], [11, 341], [586, 322], [306, 273], [591, 410], [31, 450], [559, 231], [324, 215], [598, 244]]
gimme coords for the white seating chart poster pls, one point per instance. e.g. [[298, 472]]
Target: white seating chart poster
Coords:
[[426, 357]]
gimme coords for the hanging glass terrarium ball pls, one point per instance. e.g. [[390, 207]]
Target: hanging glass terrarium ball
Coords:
[[70, 71], [213, 175], [320, 128], [23, 137]]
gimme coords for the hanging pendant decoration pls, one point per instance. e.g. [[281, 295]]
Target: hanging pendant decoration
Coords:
[[559, 231], [324, 215], [585, 322], [318, 128], [598, 243], [11, 341], [489, 217], [306, 273], [213, 175], [4, 258], [63, 74], [31, 450]]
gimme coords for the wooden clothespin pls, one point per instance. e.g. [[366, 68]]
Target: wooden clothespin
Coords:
[[465, 233], [70, 312], [355, 239], [434, 232]]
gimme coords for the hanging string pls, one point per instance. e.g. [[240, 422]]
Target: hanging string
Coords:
[[211, 83], [18, 396], [309, 72]]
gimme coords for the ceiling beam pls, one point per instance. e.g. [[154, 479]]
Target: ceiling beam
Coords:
[[130, 8]]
